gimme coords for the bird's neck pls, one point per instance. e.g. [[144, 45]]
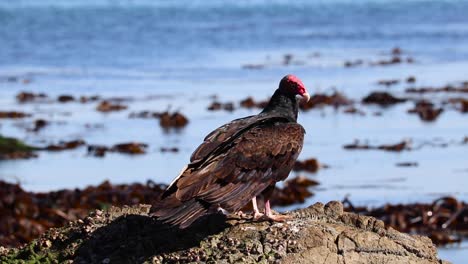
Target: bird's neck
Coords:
[[283, 105]]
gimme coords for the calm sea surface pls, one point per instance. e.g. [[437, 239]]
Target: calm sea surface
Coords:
[[177, 54]]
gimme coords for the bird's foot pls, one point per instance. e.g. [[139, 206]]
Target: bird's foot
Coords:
[[257, 216], [241, 215], [278, 217], [274, 217]]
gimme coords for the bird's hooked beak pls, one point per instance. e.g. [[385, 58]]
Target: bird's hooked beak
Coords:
[[305, 97]]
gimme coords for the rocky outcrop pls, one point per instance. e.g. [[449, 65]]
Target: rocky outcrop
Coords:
[[317, 234]]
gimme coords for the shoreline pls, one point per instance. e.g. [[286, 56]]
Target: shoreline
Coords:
[[27, 215]]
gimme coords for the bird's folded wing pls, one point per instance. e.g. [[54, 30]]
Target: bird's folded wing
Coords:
[[258, 158]]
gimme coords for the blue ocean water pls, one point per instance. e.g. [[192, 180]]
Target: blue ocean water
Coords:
[[183, 52], [168, 36]]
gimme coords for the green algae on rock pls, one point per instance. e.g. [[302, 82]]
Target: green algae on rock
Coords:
[[12, 148]]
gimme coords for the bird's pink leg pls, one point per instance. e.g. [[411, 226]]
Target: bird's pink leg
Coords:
[[256, 214], [269, 214]]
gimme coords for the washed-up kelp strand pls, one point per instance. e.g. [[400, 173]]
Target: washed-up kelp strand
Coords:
[[216, 106], [461, 104], [38, 125], [13, 115], [396, 51], [286, 60], [249, 103], [65, 98], [404, 145], [407, 164], [391, 82], [439, 143], [35, 126], [317, 100], [294, 191], [426, 111], [388, 82], [393, 60], [444, 221], [354, 110], [166, 119], [86, 99], [169, 149], [98, 150], [30, 97], [27, 215], [407, 144], [395, 57], [146, 114], [309, 165], [27, 97], [107, 106], [382, 98], [65, 145], [462, 88], [131, 148], [411, 79], [353, 63], [173, 120], [11, 148]]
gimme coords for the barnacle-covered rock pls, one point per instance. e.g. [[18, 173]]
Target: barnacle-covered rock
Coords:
[[317, 234]]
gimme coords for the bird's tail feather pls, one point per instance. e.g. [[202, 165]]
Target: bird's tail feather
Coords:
[[182, 215]]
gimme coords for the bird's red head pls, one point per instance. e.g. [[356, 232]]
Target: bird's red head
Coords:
[[290, 84]]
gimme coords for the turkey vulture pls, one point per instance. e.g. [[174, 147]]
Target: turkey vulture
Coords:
[[239, 161]]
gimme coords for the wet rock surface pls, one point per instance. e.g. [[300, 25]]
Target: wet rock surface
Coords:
[[317, 234], [12, 148]]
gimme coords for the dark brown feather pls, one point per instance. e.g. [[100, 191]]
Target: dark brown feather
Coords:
[[235, 170]]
